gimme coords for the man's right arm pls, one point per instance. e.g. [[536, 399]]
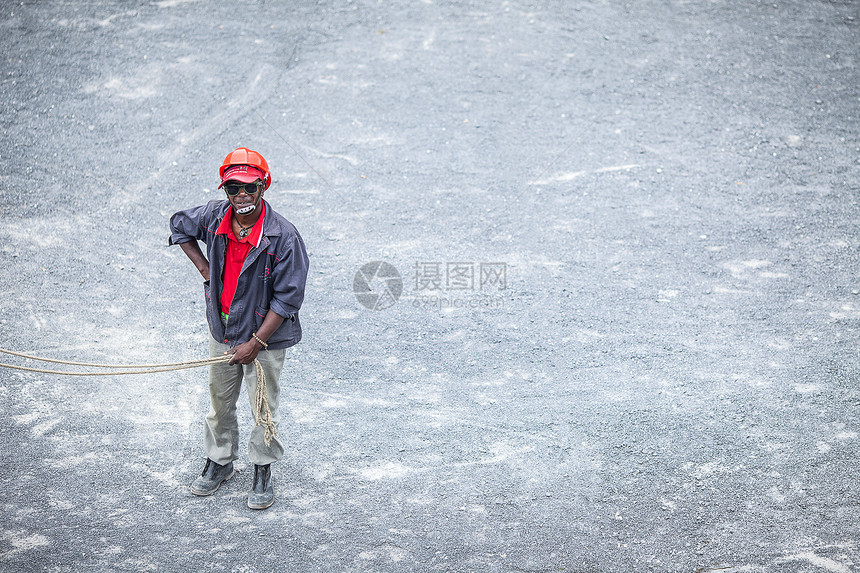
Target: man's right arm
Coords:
[[193, 252], [187, 228]]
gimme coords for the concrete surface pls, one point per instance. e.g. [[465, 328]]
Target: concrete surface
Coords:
[[668, 382]]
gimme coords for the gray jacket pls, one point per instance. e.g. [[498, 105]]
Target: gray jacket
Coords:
[[273, 275]]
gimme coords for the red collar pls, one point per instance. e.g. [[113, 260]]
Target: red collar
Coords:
[[226, 227]]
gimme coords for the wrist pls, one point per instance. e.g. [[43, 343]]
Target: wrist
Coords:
[[259, 341]]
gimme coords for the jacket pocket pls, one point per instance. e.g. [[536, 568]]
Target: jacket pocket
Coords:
[[207, 289], [259, 316]]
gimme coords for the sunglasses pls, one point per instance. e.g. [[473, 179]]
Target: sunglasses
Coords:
[[233, 189]]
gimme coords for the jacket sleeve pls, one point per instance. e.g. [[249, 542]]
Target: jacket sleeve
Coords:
[[191, 224], [289, 275]]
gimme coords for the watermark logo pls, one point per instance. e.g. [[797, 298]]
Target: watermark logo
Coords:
[[429, 276], [377, 285], [437, 285]]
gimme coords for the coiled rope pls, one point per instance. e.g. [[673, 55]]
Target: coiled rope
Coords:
[[262, 412]]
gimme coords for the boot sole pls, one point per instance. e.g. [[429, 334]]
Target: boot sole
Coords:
[[205, 493], [261, 506]]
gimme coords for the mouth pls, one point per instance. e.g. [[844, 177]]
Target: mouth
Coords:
[[243, 202]]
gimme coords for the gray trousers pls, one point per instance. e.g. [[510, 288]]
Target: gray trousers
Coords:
[[221, 439]]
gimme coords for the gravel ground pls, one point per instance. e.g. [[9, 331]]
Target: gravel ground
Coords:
[[616, 327]]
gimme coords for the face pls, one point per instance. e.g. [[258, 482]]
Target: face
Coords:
[[245, 197]]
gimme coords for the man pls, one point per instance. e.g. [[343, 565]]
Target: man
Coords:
[[254, 274]]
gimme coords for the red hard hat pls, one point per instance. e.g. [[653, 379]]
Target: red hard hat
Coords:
[[245, 156]]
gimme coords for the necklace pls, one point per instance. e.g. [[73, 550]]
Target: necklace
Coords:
[[244, 231]]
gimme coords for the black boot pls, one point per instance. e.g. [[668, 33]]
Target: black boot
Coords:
[[262, 493], [211, 478]]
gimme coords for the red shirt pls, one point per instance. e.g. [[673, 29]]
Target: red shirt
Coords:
[[237, 250]]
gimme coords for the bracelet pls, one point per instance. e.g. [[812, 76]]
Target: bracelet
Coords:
[[254, 334]]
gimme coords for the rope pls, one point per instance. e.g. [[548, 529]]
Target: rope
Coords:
[[262, 412], [189, 364]]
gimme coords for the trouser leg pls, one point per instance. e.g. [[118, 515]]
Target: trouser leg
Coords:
[[221, 434], [272, 362]]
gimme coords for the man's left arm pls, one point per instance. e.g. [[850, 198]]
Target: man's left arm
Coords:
[[289, 277]]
